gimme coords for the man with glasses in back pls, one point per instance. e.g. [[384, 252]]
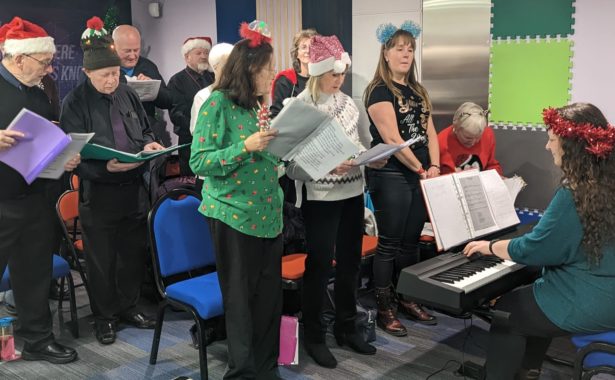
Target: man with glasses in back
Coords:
[[27, 219]]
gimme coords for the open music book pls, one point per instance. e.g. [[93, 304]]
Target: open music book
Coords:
[[99, 152], [311, 138], [44, 149], [466, 205]]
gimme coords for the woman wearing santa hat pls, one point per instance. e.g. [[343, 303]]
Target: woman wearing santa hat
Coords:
[[332, 209]]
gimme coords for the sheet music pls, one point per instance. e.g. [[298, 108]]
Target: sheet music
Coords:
[[514, 184], [146, 89], [499, 198], [56, 168], [325, 150], [445, 211], [381, 151], [295, 123], [477, 205]]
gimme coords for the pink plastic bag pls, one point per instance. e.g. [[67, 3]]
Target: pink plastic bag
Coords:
[[289, 341]]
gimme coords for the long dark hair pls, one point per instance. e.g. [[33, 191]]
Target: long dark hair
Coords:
[[384, 75], [237, 77], [591, 180]]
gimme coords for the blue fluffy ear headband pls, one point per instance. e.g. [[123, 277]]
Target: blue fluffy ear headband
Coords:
[[386, 31]]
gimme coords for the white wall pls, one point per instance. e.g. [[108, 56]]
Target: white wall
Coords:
[[593, 71], [366, 16], [162, 37]]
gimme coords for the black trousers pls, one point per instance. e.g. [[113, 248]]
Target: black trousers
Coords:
[[113, 218], [523, 340], [27, 230], [334, 229], [400, 215], [250, 275]]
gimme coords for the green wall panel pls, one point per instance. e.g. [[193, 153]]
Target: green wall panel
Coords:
[[532, 18], [527, 77]]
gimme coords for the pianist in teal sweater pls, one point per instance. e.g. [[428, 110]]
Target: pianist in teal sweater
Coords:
[[573, 242]]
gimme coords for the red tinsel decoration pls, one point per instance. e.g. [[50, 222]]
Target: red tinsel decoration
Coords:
[[95, 23], [255, 37], [600, 141]]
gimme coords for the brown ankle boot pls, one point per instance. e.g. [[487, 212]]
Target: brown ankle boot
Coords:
[[415, 312], [387, 320]]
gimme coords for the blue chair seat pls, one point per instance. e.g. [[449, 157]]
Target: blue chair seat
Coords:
[[60, 269], [4, 282], [190, 292], [596, 359]]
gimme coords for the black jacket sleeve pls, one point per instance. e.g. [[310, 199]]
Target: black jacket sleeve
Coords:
[[282, 89], [73, 120], [180, 112]]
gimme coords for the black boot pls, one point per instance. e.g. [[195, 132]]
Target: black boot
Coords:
[[387, 320], [321, 354], [354, 340]]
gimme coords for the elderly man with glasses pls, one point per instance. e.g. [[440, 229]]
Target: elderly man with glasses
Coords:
[[27, 220]]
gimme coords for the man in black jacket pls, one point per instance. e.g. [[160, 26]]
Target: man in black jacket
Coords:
[[27, 217], [127, 41], [113, 203], [184, 85]]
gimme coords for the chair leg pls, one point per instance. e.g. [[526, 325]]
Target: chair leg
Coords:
[[200, 323], [73, 306], [153, 356], [81, 273], [61, 294]]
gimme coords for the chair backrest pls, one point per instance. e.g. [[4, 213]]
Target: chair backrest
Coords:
[[74, 181], [68, 205], [179, 234]]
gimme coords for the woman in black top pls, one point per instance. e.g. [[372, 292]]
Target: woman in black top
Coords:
[[290, 82], [399, 109]]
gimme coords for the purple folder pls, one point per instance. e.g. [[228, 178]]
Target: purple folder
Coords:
[[42, 143]]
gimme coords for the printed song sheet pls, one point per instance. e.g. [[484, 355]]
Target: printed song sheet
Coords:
[[324, 151], [146, 89], [56, 168], [445, 211]]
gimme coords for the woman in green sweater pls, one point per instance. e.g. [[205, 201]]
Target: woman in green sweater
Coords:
[[243, 204], [573, 242]]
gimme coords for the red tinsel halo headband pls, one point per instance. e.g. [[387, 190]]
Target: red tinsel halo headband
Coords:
[[257, 32], [600, 141]]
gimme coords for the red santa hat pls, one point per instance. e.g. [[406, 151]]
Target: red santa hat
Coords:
[[196, 42], [23, 37], [326, 54]]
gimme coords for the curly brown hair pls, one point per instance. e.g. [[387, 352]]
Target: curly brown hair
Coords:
[[591, 181]]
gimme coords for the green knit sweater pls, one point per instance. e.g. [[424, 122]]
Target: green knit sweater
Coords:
[[575, 296]]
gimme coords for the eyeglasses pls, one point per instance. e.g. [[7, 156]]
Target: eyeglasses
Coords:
[[467, 114], [45, 64]]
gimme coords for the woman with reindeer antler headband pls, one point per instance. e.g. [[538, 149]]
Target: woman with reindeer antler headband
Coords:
[[574, 242], [399, 109], [243, 203]]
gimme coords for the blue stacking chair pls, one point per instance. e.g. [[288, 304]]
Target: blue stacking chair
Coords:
[[184, 259], [596, 355], [61, 270]]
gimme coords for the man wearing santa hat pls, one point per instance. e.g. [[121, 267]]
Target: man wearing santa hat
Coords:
[[27, 219], [184, 85]]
